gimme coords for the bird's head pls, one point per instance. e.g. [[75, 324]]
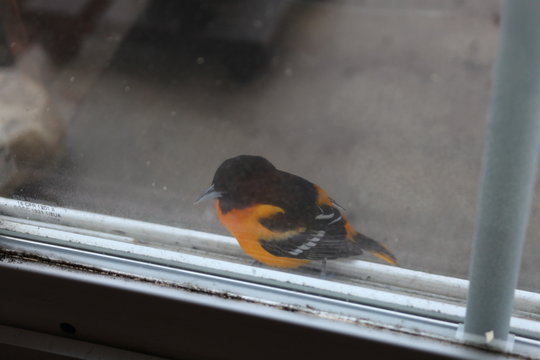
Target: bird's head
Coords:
[[238, 176]]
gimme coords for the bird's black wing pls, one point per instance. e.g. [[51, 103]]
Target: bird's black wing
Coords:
[[323, 237]]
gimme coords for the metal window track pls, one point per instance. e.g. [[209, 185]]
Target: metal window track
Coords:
[[108, 243]]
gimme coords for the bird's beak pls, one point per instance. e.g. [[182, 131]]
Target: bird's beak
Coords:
[[211, 193]]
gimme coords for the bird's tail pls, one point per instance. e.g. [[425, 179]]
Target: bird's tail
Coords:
[[375, 248]]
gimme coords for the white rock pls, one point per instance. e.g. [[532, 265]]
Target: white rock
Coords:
[[31, 133]]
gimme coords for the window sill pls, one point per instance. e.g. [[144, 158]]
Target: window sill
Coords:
[[177, 321], [119, 283]]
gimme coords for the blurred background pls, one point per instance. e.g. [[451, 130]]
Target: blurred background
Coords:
[[127, 108]]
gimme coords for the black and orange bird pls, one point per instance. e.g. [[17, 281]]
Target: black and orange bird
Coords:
[[281, 219]]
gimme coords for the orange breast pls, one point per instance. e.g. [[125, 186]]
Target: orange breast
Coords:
[[244, 225]]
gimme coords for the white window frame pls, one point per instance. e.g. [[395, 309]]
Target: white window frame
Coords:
[[79, 248]]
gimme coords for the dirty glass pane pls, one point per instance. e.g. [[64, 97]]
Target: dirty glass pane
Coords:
[[127, 108]]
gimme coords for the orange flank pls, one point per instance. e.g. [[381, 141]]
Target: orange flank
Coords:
[[322, 197], [244, 225], [349, 230], [381, 252]]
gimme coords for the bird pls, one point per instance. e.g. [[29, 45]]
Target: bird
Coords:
[[283, 220]]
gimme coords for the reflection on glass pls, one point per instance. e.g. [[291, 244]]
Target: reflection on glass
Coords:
[[127, 108]]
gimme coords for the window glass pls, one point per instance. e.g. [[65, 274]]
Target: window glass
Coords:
[[127, 108]]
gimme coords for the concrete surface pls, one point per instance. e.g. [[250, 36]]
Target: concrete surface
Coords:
[[383, 103]]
